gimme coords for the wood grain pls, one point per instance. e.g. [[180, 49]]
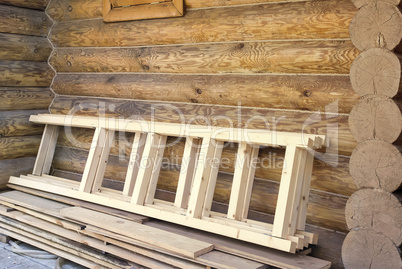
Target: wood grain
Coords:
[[25, 98], [274, 91], [298, 20], [19, 146], [15, 167], [327, 176], [262, 57], [31, 4], [25, 48], [16, 123], [325, 209], [360, 3], [25, 73], [342, 141], [24, 21]]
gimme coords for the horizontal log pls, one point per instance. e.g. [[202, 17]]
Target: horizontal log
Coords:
[[325, 209], [334, 125], [330, 175], [25, 73], [297, 20], [19, 146], [15, 167], [24, 48], [360, 3], [25, 98], [16, 123], [23, 21], [248, 57], [31, 4], [302, 92]]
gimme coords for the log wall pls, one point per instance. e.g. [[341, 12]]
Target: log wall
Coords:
[[25, 79], [286, 63]]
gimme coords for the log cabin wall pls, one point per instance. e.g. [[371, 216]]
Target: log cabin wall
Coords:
[[25, 77], [285, 62]]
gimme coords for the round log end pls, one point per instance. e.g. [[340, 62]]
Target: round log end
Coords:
[[376, 71], [375, 117], [375, 210], [360, 3], [367, 249], [376, 25], [376, 164]]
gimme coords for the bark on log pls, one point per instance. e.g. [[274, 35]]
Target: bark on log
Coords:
[[376, 210], [376, 71], [360, 3], [24, 48], [367, 249], [325, 209], [25, 73], [16, 123], [24, 21], [31, 4], [309, 92], [376, 25], [253, 118], [25, 98], [328, 175], [19, 146], [254, 57], [298, 20], [15, 167], [376, 164], [375, 117]]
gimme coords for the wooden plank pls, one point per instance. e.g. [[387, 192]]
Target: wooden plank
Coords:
[[269, 119], [305, 192], [15, 167], [23, 21], [222, 260], [248, 187], [305, 92], [272, 57], [46, 150], [302, 20], [137, 150], [16, 123], [24, 48], [187, 173], [19, 146], [178, 244], [27, 98], [31, 4], [25, 73]]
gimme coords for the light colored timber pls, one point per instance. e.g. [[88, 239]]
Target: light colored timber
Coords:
[[46, 150], [376, 25], [136, 153]]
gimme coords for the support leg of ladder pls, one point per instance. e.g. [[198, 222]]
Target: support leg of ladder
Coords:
[[47, 147]]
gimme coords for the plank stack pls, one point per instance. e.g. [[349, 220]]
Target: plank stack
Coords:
[[373, 213]]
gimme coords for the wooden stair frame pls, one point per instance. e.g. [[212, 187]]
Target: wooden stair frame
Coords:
[[199, 170]]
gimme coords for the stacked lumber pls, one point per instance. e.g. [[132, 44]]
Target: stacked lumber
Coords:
[[373, 213], [101, 237]]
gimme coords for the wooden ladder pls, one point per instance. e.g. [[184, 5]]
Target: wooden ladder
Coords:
[[197, 180]]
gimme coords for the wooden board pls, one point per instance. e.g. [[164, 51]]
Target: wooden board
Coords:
[[27, 98], [32, 4], [25, 73], [16, 123], [272, 57], [23, 47]]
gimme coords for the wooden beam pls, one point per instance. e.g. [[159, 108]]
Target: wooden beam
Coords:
[[24, 48], [46, 150], [16, 123], [26, 98], [15, 167], [19, 146], [31, 4], [25, 73]]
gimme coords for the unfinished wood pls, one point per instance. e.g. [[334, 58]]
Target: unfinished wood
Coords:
[[25, 73], [268, 119], [375, 117], [375, 210], [305, 92], [23, 47], [360, 3], [24, 21], [301, 20], [216, 258], [31, 4], [15, 167], [376, 25], [272, 57], [376, 164], [178, 244], [16, 123], [376, 71], [46, 150], [19, 146], [365, 248], [26, 98], [136, 153]]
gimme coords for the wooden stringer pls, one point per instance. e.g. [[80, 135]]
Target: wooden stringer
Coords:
[[197, 180]]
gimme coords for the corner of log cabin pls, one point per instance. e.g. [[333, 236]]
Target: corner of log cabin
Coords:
[[266, 64]]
